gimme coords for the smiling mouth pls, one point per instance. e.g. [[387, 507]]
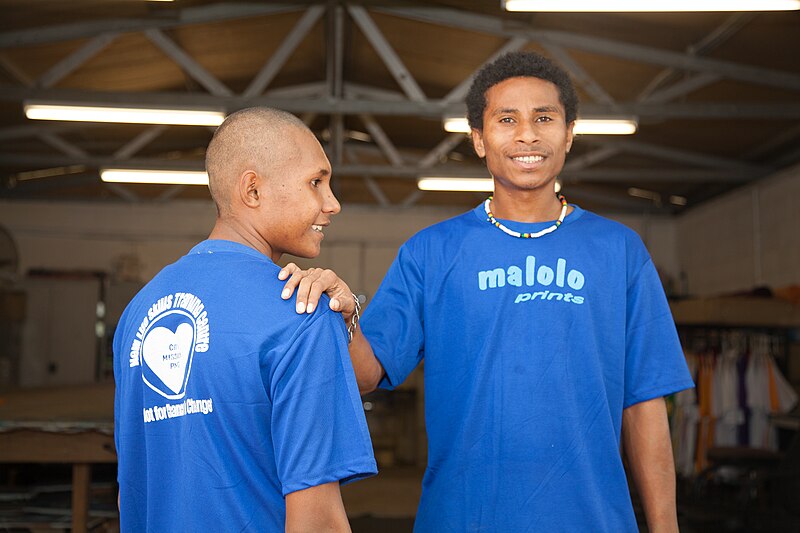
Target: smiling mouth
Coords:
[[317, 228], [529, 158]]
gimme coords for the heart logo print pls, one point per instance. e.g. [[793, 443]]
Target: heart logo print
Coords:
[[169, 354]]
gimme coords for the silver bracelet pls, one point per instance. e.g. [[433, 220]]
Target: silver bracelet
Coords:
[[353, 325]]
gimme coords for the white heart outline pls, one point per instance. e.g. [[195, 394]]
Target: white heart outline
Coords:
[[166, 353], [189, 359]]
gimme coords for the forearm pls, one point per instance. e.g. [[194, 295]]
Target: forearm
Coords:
[[368, 369], [316, 509], [647, 446]]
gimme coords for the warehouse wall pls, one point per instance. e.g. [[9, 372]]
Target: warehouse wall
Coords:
[[747, 238], [137, 240]]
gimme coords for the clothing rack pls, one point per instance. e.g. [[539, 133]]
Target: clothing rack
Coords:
[[739, 385]]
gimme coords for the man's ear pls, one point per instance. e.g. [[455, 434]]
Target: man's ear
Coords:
[[477, 142], [249, 188], [570, 135]]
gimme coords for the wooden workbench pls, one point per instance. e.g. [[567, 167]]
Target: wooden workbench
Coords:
[[72, 425]]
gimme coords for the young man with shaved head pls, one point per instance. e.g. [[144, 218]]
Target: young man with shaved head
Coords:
[[233, 412], [545, 332]]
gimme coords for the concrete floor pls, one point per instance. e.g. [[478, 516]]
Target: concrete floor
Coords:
[[388, 502]]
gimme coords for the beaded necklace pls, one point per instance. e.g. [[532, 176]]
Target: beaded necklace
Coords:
[[493, 221]]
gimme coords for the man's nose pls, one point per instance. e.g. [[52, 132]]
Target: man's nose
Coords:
[[526, 132], [331, 204]]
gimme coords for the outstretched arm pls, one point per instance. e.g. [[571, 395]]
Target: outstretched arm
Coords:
[[310, 284], [316, 509], [647, 445]]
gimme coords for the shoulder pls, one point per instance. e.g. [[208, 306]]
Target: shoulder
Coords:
[[449, 230], [607, 225], [612, 231]]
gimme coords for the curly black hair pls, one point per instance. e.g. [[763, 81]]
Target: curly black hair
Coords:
[[514, 65]]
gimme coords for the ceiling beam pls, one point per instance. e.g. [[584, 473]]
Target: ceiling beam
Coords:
[[66, 66], [722, 33], [281, 55], [15, 72], [64, 146], [412, 198], [579, 74], [441, 150], [382, 140], [407, 171], [386, 53], [377, 192], [460, 91], [615, 200], [187, 63], [597, 45], [678, 155], [580, 162], [681, 88], [648, 175], [123, 192], [787, 110], [169, 19], [139, 142]]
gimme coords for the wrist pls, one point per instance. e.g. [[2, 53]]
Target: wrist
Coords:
[[352, 320]]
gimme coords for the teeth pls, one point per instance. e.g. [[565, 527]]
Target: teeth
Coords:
[[316, 228], [529, 158]]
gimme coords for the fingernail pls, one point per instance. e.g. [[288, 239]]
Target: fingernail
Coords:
[[281, 274], [301, 307], [334, 304], [310, 308], [285, 294]]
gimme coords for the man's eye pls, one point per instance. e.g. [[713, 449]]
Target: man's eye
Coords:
[[507, 120], [316, 182], [544, 118]]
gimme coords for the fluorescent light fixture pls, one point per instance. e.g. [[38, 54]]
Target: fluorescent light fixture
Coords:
[[583, 126], [605, 126], [130, 115], [165, 177], [650, 5], [644, 193], [49, 172], [456, 184], [456, 125], [677, 200]]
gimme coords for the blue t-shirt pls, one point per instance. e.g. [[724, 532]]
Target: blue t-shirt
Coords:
[[532, 349], [227, 400]]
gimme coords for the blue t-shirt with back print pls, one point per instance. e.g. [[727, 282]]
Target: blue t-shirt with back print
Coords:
[[227, 399]]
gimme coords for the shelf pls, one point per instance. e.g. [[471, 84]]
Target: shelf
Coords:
[[736, 312]]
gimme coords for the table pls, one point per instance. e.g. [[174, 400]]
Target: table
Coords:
[[72, 425]]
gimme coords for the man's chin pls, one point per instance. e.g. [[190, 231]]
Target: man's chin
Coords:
[[306, 253]]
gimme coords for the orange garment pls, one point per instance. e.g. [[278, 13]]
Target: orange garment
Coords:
[[705, 428], [774, 402]]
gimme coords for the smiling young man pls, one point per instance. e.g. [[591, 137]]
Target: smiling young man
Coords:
[[233, 412], [545, 332]]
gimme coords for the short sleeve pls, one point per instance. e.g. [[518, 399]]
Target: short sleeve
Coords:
[[654, 362], [318, 427], [393, 321], [119, 355]]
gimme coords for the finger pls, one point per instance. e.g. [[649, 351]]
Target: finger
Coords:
[[304, 290], [288, 269], [314, 294], [290, 285]]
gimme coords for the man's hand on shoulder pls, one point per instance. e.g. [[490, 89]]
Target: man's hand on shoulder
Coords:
[[311, 283]]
